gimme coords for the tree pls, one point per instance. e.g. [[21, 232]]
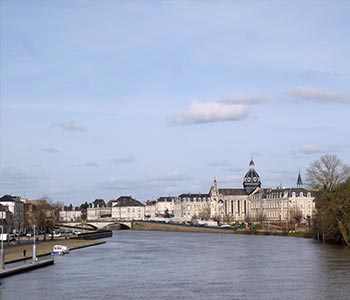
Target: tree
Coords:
[[261, 217], [327, 172], [205, 214], [333, 216], [331, 177], [296, 215], [44, 215]]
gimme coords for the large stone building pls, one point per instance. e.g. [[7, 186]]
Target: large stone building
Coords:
[[282, 204], [165, 206], [233, 204], [252, 203], [188, 206], [127, 208]]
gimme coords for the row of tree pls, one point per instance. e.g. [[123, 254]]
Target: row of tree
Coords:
[[330, 177]]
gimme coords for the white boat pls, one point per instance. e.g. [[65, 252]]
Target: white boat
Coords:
[[60, 250]]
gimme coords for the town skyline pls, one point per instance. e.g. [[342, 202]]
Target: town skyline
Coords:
[[102, 99]]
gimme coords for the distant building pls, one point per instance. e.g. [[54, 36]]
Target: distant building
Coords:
[[282, 204], [190, 205], [127, 208], [232, 204], [150, 209], [99, 203], [16, 207], [70, 216], [98, 213], [165, 206], [5, 217], [252, 202]]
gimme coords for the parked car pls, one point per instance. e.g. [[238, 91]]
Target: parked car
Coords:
[[54, 234], [225, 226]]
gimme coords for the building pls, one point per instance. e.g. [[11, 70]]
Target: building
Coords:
[[98, 213], [127, 208], [253, 203], [282, 204], [16, 207], [5, 218], [188, 206], [233, 204], [150, 209], [165, 206], [70, 215]]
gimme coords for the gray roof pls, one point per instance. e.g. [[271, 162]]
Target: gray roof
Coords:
[[126, 201], [233, 192]]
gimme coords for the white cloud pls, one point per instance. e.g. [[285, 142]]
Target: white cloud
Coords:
[[132, 183], [238, 98], [69, 126], [14, 180], [208, 112], [91, 164], [123, 160], [321, 73], [50, 150], [318, 149], [318, 95]]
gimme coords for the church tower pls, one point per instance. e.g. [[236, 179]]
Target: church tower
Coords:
[[251, 179], [299, 181]]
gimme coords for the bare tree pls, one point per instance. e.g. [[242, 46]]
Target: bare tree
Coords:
[[296, 215], [44, 215], [261, 217], [205, 214], [327, 172]]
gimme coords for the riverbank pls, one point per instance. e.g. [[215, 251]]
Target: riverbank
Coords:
[[15, 253], [152, 226]]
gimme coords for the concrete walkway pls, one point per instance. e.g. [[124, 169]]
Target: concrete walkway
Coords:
[[25, 268]]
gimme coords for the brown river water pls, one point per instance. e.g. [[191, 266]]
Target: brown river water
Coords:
[[178, 265]]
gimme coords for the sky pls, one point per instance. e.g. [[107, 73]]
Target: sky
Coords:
[[100, 99]]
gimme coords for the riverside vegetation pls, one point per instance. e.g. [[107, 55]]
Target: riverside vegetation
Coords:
[[331, 178]]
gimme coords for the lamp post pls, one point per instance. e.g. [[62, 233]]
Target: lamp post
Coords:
[[2, 253], [34, 247]]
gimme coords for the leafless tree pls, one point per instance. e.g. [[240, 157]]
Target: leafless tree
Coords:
[[327, 172]]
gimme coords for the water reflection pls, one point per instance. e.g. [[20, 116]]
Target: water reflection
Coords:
[[167, 265]]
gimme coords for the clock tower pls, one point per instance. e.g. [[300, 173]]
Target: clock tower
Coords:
[[251, 179]]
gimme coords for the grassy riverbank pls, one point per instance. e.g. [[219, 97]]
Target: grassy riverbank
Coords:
[[15, 253], [139, 225]]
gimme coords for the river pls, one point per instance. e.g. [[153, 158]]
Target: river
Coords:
[[175, 265]]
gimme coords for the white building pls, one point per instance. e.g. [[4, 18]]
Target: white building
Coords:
[[127, 208]]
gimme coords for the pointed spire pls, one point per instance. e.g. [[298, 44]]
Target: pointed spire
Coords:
[[299, 180], [214, 188], [251, 164]]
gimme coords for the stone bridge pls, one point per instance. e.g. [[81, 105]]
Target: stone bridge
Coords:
[[93, 225]]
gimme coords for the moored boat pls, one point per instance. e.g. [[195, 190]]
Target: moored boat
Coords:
[[60, 250]]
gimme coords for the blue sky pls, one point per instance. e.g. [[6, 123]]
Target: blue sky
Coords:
[[154, 98]]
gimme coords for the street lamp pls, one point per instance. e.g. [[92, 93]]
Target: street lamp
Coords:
[[2, 253]]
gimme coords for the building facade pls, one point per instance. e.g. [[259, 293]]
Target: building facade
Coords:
[[127, 208], [190, 206], [281, 204], [165, 206], [16, 207]]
